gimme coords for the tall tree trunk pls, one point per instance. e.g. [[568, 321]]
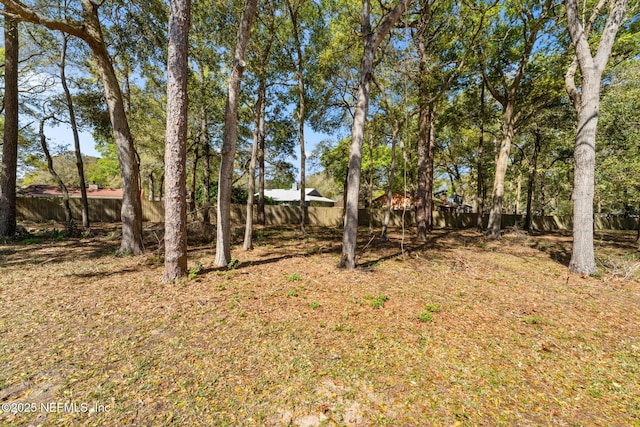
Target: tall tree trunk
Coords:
[[422, 150], [371, 42], [591, 68], [193, 211], [76, 136], [161, 192], [175, 157], [479, 165], [533, 171], [68, 217], [261, 217], [248, 230], [370, 185], [10, 137], [131, 213], [392, 171], [152, 186], [543, 200], [431, 146], [229, 139], [516, 205], [293, 13], [206, 157], [495, 214]]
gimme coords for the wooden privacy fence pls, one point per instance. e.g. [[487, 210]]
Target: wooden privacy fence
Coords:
[[41, 209]]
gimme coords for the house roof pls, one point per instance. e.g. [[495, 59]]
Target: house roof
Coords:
[[291, 195], [42, 190]]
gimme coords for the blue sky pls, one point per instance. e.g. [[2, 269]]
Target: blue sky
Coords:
[[61, 135]]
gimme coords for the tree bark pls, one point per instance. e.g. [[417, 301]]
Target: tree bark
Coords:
[[261, 217], [229, 139], [10, 138], [591, 69], [175, 157], [533, 171], [495, 214], [390, 181], [206, 157], [76, 137], [152, 186], [293, 13], [248, 230], [193, 210], [371, 42], [480, 167]]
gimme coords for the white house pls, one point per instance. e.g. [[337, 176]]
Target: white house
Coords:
[[291, 196]]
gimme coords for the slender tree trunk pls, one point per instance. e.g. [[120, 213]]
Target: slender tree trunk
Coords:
[[152, 186], [370, 192], [293, 13], [371, 42], [76, 136], [10, 141], [206, 157], [131, 212], [350, 236], [261, 217], [428, 205], [230, 135], [175, 158], [479, 165], [248, 230], [392, 171], [422, 152], [68, 217], [193, 211], [161, 189], [533, 171], [516, 205]]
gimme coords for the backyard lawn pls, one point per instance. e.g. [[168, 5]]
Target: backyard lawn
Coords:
[[458, 331]]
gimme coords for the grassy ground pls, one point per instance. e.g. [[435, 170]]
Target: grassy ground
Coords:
[[458, 331]]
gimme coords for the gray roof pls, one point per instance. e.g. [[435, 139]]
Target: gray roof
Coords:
[[290, 195]]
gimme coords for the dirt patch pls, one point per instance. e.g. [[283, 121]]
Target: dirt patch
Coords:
[[459, 329]]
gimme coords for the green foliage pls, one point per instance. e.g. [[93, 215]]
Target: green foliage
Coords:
[[378, 301], [195, 270], [532, 320], [233, 264], [314, 305], [432, 308], [294, 277], [425, 316], [427, 313]]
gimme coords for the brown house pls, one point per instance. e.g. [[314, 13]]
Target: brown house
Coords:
[[398, 201]]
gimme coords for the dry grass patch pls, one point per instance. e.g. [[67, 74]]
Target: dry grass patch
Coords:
[[286, 338]]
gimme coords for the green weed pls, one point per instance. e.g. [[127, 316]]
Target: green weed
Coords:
[[425, 317], [378, 302], [195, 270]]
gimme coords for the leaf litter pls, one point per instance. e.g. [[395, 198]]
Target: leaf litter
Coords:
[[515, 339]]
